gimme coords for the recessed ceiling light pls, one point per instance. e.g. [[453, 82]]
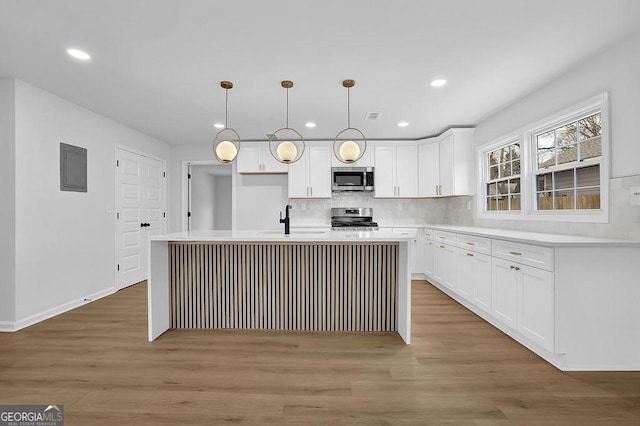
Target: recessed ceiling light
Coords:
[[310, 125], [438, 82], [403, 124], [79, 54], [218, 126]]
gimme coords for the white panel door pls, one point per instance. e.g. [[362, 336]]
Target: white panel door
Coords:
[[129, 234], [152, 199], [140, 206]]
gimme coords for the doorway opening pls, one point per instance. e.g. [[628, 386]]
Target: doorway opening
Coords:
[[209, 197]]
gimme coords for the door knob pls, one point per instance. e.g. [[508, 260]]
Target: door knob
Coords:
[[144, 225]]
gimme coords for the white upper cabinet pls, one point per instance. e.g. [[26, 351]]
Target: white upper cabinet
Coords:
[[310, 177], [255, 158], [396, 171], [445, 165], [365, 161], [429, 169]]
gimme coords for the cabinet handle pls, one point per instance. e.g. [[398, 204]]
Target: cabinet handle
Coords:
[[470, 243], [470, 254], [311, 188], [398, 191], [444, 238], [515, 253], [514, 267], [437, 193], [441, 246]]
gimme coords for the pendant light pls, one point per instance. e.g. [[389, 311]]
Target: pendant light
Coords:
[[354, 142], [292, 146], [226, 147]]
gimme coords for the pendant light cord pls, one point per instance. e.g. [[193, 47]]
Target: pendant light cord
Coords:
[[348, 108], [287, 107], [226, 106]]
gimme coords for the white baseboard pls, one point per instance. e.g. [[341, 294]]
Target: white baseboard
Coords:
[[49, 313], [6, 326], [557, 360]]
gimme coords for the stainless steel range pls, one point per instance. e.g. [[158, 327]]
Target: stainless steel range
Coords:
[[352, 219]]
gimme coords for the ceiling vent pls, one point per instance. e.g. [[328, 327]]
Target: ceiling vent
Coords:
[[372, 116], [272, 137]]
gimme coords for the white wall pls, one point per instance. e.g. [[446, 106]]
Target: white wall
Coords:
[[615, 71], [202, 199], [222, 204], [258, 198], [65, 242], [8, 210]]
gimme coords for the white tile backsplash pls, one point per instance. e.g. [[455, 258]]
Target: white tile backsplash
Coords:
[[624, 220]]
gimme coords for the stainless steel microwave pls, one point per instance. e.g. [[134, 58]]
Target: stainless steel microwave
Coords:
[[351, 179]]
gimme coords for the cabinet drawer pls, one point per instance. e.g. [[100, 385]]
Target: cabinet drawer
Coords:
[[445, 237], [526, 254], [473, 243]]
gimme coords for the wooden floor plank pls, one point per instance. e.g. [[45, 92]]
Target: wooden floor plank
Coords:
[[458, 370]]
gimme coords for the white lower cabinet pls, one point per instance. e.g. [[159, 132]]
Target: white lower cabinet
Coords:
[[536, 306], [429, 251], [474, 278], [523, 299], [504, 299], [416, 247], [497, 277], [444, 264]]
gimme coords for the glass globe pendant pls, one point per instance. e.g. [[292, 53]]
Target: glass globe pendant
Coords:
[[293, 145], [350, 144], [226, 144]]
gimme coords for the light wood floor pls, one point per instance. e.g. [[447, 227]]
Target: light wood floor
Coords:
[[459, 370]]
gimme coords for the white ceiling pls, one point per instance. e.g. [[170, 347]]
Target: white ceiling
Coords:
[[157, 64]]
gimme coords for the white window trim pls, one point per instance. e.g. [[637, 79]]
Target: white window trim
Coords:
[[482, 176], [527, 183]]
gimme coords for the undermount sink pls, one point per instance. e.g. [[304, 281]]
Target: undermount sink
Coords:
[[275, 231]]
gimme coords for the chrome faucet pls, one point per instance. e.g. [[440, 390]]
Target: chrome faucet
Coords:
[[286, 219]]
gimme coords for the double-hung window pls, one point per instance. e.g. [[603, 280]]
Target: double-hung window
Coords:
[[502, 183], [567, 167], [554, 169]]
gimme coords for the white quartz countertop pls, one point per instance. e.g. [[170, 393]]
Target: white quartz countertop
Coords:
[[539, 238], [298, 235]]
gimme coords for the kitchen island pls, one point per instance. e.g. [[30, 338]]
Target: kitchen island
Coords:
[[330, 281]]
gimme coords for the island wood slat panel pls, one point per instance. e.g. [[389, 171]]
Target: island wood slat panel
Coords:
[[284, 286]]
